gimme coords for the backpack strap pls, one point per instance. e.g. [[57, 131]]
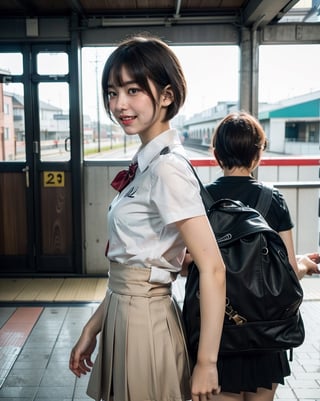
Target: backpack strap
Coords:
[[206, 197], [264, 200]]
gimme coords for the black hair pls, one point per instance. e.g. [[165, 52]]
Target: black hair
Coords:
[[146, 57]]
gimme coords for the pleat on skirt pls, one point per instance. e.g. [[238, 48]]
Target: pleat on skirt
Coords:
[[142, 352], [239, 373]]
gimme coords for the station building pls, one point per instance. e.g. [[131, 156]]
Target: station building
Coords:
[[292, 126]]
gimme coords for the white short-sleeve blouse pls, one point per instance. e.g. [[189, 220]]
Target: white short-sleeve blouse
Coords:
[[141, 219]]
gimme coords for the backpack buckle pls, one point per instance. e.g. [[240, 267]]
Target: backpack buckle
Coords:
[[233, 314]]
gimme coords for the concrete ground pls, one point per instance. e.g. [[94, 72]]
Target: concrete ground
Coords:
[[35, 342]]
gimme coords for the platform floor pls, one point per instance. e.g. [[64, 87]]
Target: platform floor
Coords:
[[61, 289], [36, 339]]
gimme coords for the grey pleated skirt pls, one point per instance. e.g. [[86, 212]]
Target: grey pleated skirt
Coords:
[[142, 352]]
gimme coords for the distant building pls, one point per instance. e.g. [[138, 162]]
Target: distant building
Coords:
[[54, 125], [292, 125], [7, 136]]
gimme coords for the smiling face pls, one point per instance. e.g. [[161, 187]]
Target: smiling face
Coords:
[[134, 109], [143, 86]]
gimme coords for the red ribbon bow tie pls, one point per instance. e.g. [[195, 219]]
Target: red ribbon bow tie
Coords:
[[124, 177]]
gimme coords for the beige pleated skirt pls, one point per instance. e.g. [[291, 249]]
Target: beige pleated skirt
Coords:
[[142, 351]]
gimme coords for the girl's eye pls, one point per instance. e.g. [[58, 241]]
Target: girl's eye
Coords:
[[111, 94], [133, 91]]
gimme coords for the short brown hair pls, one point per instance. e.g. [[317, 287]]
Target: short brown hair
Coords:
[[147, 57], [237, 140]]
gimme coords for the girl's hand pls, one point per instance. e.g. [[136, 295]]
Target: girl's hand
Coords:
[[309, 262], [80, 362], [204, 382]]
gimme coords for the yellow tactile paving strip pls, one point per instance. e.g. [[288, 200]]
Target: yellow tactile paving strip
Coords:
[[52, 289]]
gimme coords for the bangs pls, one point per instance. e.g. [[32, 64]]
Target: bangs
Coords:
[[132, 63], [146, 61]]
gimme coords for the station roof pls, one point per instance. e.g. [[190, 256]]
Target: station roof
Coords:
[[151, 12], [305, 106]]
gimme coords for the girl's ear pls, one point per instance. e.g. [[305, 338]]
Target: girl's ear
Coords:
[[167, 96], [217, 158]]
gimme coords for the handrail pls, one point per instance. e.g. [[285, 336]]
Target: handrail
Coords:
[[208, 161]]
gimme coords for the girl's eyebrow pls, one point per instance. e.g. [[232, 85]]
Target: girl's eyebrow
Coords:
[[130, 82]]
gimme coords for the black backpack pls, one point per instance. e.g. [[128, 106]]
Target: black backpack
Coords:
[[263, 292]]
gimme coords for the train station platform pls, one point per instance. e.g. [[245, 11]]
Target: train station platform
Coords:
[[37, 332]]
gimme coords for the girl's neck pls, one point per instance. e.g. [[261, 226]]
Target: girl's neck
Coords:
[[157, 130], [237, 172]]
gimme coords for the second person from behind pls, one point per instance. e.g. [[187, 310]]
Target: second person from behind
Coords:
[[238, 144]]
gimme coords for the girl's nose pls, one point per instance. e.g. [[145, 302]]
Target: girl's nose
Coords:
[[121, 103]]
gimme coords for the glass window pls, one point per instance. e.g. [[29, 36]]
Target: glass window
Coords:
[[51, 63], [305, 11], [12, 123], [54, 121], [289, 98], [11, 63], [212, 77], [212, 74]]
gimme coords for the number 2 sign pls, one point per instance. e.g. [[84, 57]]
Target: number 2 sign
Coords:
[[53, 178]]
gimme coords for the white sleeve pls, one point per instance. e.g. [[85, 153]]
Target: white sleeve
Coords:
[[175, 190]]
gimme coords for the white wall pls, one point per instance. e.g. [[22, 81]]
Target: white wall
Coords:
[[277, 135], [98, 196]]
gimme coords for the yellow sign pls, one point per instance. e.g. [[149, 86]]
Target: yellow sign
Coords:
[[53, 178]]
